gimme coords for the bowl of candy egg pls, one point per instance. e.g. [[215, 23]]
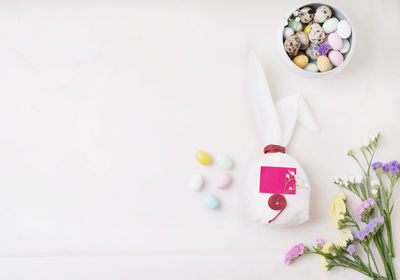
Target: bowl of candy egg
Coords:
[[317, 40]]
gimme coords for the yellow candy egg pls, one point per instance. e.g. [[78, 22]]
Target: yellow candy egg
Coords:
[[323, 63], [203, 157], [301, 60], [307, 28]]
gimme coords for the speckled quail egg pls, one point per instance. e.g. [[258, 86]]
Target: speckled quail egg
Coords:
[[306, 15], [303, 39], [312, 51], [292, 45], [322, 13], [316, 34]]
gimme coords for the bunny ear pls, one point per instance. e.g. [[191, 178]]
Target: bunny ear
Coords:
[[290, 109], [287, 109], [306, 117], [263, 104]]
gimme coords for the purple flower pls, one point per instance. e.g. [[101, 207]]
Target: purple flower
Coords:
[[293, 253], [351, 249], [324, 49], [393, 169], [370, 229], [386, 167], [392, 166], [377, 165]]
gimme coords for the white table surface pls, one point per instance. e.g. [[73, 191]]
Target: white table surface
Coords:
[[103, 104]]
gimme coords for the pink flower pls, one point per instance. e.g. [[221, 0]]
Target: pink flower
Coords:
[[366, 205], [293, 253], [321, 242]]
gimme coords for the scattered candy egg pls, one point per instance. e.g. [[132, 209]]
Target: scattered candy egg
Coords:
[[224, 181], [335, 57], [224, 162], [344, 29], [203, 157], [322, 13], [302, 37], [323, 63], [307, 29], [306, 15], [311, 67], [296, 25], [335, 41], [292, 45], [346, 46], [330, 25], [301, 60], [210, 201], [316, 34], [196, 182], [287, 32], [312, 51]]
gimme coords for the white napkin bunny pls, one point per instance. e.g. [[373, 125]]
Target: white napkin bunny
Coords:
[[277, 122]]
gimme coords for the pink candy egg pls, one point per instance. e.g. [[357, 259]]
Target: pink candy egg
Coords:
[[335, 41], [224, 181], [335, 57]]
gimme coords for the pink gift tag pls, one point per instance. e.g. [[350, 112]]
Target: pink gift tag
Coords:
[[274, 180]]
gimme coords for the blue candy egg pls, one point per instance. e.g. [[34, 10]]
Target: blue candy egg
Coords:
[[311, 67], [210, 201]]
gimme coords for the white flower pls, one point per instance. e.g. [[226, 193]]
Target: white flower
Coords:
[[292, 173], [297, 19], [371, 140], [296, 13], [341, 180], [287, 175], [350, 151], [375, 183], [367, 142], [358, 179], [374, 192], [345, 181], [372, 137], [285, 21]]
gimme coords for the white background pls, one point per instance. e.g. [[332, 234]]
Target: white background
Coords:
[[104, 103]]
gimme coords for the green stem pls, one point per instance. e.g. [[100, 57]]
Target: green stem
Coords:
[[361, 270], [382, 253], [389, 235], [359, 164], [373, 259], [346, 262]]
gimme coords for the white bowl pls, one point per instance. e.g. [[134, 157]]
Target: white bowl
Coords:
[[339, 14]]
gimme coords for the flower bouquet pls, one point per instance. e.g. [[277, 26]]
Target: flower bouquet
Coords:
[[371, 226]]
